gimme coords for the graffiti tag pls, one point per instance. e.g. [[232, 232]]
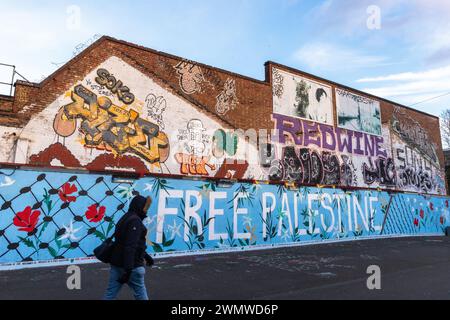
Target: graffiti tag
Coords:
[[227, 99], [116, 86], [191, 77]]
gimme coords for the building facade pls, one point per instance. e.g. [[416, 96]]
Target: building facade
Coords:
[[118, 106], [337, 160]]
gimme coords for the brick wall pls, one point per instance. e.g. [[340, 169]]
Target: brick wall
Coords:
[[252, 109]]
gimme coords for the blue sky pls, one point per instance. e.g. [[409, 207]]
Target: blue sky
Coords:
[[407, 60]]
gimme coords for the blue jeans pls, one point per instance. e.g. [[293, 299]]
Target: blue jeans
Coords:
[[136, 283]]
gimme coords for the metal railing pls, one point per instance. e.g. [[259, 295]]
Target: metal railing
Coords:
[[14, 73]]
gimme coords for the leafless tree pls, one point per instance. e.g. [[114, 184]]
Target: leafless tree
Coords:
[[445, 128]]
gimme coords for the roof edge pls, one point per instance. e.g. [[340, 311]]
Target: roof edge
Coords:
[[171, 56], [130, 44], [73, 60], [6, 97], [263, 82]]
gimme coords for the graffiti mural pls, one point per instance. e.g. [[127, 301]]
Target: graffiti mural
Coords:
[[305, 133], [118, 118], [412, 133], [196, 149], [123, 116], [358, 113], [156, 107], [381, 170], [296, 96], [232, 169], [110, 127], [315, 153], [417, 164], [62, 215], [116, 86], [278, 83], [227, 99], [416, 172], [224, 143], [305, 166], [190, 76]]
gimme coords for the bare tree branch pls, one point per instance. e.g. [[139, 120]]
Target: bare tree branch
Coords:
[[445, 128]]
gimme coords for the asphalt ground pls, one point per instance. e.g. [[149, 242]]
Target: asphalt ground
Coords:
[[411, 268]]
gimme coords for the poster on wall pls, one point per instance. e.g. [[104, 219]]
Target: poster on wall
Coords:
[[358, 113], [299, 97]]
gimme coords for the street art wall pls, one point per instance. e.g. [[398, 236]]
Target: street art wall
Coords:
[[352, 149], [318, 154], [65, 215], [417, 162], [116, 118], [313, 162]]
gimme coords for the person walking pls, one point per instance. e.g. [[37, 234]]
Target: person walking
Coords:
[[129, 252]]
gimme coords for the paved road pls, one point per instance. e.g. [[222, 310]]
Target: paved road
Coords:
[[412, 268]]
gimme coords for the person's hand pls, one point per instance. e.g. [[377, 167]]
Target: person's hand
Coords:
[[149, 261], [125, 277]]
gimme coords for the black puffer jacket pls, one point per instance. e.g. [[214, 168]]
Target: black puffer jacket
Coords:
[[130, 240]]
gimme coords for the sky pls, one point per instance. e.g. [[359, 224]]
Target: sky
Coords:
[[395, 49]]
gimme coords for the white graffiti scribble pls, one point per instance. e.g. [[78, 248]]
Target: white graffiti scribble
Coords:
[[227, 99], [278, 83], [156, 107], [194, 138], [191, 77]]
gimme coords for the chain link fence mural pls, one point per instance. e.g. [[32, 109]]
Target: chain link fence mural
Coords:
[[65, 215]]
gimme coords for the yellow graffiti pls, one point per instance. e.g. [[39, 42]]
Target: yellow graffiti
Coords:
[[113, 128]]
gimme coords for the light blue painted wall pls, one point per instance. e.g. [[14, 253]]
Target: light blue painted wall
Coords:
[[188, 215]]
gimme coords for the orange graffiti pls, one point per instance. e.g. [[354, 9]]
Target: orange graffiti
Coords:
[[194, 165]]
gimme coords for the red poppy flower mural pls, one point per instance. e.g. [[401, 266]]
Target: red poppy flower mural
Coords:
[[95, 214], [416, 222], [66, 191], [27, 219], [442, 220], [422, 214], [431, 206]]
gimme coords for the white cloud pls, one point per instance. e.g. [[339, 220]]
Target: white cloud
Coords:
[[426, 90], [36, 36], [432, 74], [411, 88], [323, 56], [416, 27]]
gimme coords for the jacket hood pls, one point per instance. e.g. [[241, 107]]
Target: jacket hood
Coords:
[[137, 206]]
